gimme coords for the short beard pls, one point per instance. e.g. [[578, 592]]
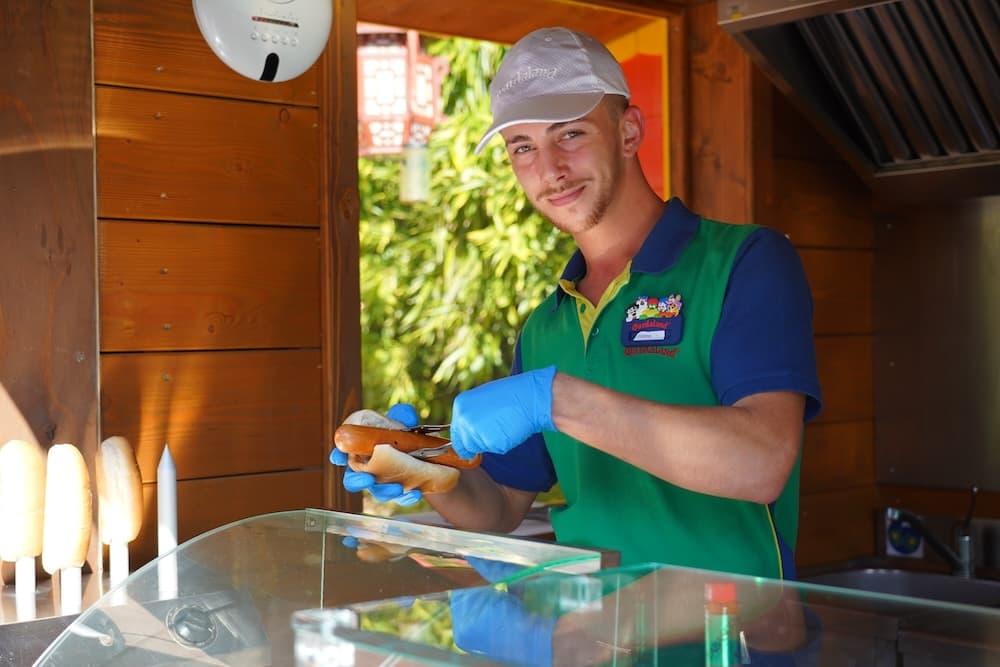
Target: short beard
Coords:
[[601, 206]]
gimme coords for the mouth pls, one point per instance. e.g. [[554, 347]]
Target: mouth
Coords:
[[566, 197]]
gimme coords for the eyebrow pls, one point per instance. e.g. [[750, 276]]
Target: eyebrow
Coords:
[[549, 130]]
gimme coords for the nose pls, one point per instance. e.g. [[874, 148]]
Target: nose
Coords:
[[551, 168]]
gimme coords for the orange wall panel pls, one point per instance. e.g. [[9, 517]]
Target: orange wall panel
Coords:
[[165, 156], [223, 413], [167, 286]]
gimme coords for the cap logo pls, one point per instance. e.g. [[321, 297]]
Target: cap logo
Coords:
[[528, 74]]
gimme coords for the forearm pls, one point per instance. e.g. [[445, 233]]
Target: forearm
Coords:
[[479, 503], [731, 451]]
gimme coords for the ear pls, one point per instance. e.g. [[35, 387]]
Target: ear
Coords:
[[633, 129]]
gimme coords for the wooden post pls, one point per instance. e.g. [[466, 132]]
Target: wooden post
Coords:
[[48, 303]]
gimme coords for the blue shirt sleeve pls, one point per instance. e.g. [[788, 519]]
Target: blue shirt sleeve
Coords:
[[528, 466], [764, 339]]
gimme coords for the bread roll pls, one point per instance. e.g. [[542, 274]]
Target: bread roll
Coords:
[[119, 491], [379, 552], [67, 509], [388, 465], [22, 500], [372, 418]]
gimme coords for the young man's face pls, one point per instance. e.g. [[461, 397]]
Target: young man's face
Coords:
[[570, 171]]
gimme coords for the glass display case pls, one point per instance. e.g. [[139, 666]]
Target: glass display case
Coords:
[[227, 597], [648, 615], [323, 589]]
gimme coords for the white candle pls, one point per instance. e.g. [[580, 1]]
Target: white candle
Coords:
[[166, 526], [166, 503]]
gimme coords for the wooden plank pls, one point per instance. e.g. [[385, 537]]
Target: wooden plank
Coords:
[[158, 45], [841, 284], [720, 99], [341, 302], [820, 204], [166, 156], [168, 286], [504, 22], [836, 526], [48, 309], [940, 502], [845, 374], [204, 504], [223, 413], [838, 456], [678, 106]]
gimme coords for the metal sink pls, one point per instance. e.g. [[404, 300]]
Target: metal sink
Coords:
[[927, 585]]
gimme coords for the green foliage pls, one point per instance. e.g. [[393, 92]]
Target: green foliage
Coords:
[[446, 284]]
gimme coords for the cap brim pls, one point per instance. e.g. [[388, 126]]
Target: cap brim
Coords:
[[553, 108]]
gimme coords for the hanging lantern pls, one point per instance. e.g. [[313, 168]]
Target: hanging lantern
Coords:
[[399, 90]]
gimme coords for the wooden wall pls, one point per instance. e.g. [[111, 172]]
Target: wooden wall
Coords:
[[755, 158], [212, 194]]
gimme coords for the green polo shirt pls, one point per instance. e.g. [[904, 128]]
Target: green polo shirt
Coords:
[[651, 335]]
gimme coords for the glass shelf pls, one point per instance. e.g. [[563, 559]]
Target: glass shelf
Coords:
[[227, 596], [646, 615]]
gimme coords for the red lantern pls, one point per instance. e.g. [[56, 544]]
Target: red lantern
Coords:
[[399, 90]]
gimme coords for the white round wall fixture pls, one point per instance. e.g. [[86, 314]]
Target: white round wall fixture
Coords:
[[267, 40]]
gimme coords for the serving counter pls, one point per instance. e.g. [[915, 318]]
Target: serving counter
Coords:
[[328, 589]]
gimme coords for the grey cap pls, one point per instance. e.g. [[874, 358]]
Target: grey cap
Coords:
[[552, 75]]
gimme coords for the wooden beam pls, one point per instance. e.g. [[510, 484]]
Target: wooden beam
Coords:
[[48, 305], [339, 242]]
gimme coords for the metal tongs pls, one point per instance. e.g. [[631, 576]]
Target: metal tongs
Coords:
[[430, 452]]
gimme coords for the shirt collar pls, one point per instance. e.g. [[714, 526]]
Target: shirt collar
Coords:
[[664, 244]]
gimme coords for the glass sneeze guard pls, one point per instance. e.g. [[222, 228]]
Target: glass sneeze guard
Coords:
[[648, 615], [226, 597]]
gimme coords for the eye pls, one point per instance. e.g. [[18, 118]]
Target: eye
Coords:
[[572, 134], [520, 149]]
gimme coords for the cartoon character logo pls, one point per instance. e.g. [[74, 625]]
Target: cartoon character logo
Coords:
[[653, 322]]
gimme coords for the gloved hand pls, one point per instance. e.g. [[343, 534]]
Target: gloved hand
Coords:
[[355, 481], [496, 624], [494, 570], [500, 415]]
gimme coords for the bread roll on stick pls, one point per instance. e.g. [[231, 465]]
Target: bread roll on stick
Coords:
[[388, 465], [22, 500], [119, 505], [67, 510], [119, 490], [22, 510]]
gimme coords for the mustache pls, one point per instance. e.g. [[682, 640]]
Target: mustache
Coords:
[[554, 192]]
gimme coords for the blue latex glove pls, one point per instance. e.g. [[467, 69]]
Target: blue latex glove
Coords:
[[355, 481], [493, 570], [495, 624], [500, 415]]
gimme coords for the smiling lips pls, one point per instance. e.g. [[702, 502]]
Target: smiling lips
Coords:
[[565, 197]]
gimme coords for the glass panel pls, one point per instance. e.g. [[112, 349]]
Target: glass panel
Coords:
[[649, 615], [227, 597]]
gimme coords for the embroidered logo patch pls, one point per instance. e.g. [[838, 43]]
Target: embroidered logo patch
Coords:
[[653, 322]]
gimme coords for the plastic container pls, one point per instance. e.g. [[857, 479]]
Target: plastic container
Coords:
[[722, 632]]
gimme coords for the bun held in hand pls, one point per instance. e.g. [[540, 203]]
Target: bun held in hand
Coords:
[[388, 465]]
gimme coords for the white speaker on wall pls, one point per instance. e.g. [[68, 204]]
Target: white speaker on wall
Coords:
[[267, 40]]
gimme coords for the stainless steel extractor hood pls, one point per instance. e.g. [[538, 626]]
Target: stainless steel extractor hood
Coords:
[[908, 91]]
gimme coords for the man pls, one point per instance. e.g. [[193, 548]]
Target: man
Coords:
[[666, 381]]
